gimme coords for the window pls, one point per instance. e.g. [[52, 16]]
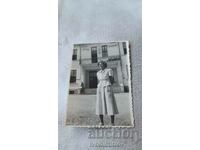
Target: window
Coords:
[[124, 48], [94, 54], [74, 56], [104, 51], [73, 76]]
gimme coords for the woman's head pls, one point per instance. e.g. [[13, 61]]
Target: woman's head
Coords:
[[102, 64]]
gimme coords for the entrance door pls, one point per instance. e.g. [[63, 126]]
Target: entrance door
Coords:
[[94, 54], [92, 79]]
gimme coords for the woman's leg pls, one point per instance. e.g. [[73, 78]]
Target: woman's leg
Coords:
[[101, 119], [112, 119]]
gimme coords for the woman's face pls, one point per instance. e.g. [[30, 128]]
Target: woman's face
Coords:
[[101, 66]]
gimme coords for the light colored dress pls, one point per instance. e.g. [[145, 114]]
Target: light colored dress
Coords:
[[105, 103]]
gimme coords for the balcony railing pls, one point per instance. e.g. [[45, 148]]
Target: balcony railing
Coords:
[[109, 58]]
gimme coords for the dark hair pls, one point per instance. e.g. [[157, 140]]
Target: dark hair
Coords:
[[103, 62]]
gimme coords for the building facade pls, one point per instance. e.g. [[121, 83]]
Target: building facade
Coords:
[[85, 57]]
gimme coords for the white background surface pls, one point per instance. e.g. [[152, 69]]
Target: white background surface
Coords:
[[28, 79], [98, 21]]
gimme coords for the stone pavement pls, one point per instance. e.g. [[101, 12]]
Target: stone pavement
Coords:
[[81, 110]]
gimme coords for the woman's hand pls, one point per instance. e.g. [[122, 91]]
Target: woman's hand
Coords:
[[108, 88]]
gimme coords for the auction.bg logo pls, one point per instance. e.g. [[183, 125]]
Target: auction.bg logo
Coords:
[[104, 138], [111, 133]]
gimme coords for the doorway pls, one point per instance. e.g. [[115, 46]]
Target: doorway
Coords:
[[93, 79]]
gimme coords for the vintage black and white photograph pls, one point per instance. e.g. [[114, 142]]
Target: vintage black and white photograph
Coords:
[[99, 91]]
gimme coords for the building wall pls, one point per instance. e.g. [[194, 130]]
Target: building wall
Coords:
[[84, 50], [114, 49]]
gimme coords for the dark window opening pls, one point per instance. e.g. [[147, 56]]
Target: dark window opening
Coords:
[[94, 54], [73, 76], [124, 47], [74, 56], [126, 89], [71, 92], [104, 51]]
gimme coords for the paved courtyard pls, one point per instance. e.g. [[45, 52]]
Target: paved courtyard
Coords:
[[81, 110]]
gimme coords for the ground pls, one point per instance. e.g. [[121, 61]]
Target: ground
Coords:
[[81, 110]]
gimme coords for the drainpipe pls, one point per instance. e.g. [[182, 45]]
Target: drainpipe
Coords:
[[80, 63], [122, 88]]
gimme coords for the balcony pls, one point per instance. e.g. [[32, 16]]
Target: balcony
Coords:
[[108, 59]]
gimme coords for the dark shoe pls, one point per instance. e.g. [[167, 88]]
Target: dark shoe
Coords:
[[101, 124], [112, 124]]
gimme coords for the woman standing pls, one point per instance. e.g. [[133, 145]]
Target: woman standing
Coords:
[[105, 104]]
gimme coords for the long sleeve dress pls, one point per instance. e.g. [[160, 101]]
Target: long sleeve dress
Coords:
[[105, 102]]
